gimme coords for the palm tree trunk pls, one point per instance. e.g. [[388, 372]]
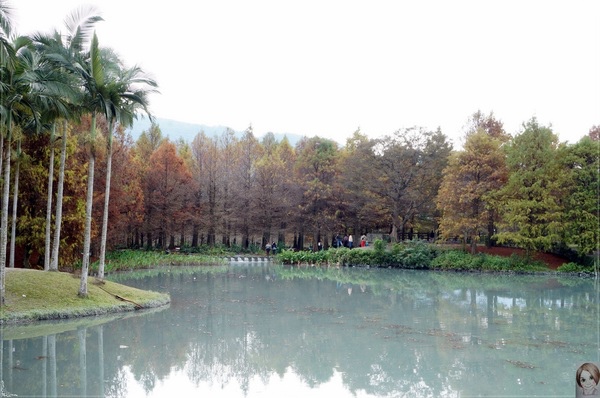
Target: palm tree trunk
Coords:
[[4, 221], [87, 233], [106, 201], [49, 200], [13, 226], [59, 198], [1, 154]]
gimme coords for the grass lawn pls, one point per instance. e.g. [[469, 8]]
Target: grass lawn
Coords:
[[40, 295]]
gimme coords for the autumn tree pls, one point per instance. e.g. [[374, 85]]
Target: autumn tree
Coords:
[[147, 143], [273, 188], [205, 155], [470, 177], [530, 200], [126, 207], [409, 165], [194, 213], [487, 123], [494, 128], [316, 173], [167, 184], [362, 213], [228, 153], [244, 188]]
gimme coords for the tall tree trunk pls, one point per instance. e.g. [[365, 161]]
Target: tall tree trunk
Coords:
[[195, 229], [47, 250], [106, 201], [13, 222], [87, 233], [4, 221], [59, 198], [490, 227]]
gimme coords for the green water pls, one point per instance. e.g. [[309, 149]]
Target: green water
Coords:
[[261, 330]]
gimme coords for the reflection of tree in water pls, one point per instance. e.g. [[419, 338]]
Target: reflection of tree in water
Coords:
[[415, 333], [226, 343]]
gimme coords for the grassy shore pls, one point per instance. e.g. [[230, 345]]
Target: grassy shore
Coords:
[[33, 295]]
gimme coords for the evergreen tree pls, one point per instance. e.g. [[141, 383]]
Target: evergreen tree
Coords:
[[530, 200]]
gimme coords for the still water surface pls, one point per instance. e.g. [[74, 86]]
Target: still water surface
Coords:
[[258, 330]]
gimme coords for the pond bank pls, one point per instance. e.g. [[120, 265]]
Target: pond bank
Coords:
[[33, 295]]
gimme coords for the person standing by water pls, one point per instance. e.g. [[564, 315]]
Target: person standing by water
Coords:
[[338, 241], [274, 248], [268, 248], [350, 241]]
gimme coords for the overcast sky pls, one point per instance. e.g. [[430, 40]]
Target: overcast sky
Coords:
[[329, 67]]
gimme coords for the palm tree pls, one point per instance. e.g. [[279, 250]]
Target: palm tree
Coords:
[[56, 111], [46, 89], [7, 56], [92, 72], [90, 69], [129, 91], [5, 29], [61, 50], [18, 92]]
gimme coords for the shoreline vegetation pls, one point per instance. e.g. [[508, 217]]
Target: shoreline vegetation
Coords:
[[427, 256], [33, 295]]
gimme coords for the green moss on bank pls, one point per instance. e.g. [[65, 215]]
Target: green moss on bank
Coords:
[[33, 295]]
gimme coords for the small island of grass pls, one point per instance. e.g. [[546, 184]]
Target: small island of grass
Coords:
[[33, 295]]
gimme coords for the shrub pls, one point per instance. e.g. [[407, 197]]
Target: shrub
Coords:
[[412, 254], [452, 259], [338, 256], [574, 267], [379, 246], [524, 263], [359, 257]]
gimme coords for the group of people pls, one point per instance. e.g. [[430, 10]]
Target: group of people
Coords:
[[271, 248], [346, 241], [338, 241]]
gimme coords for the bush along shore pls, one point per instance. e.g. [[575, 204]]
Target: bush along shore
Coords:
[[427, 256]]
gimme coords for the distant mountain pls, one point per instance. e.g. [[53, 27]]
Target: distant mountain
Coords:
[[175, 130]]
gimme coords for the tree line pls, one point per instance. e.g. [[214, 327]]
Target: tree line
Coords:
[[242, 192], [64, 93]]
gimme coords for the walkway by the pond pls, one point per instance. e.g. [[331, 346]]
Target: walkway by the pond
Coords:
[[249, 259]]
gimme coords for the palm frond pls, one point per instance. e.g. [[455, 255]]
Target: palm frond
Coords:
[[5, 19], [80, 26]]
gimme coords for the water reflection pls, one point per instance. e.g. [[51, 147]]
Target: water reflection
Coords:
[[266, 330]]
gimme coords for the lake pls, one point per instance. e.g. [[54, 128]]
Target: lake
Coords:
[[265, 330]]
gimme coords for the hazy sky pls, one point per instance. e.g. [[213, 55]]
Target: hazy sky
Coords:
[[329, 67]]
